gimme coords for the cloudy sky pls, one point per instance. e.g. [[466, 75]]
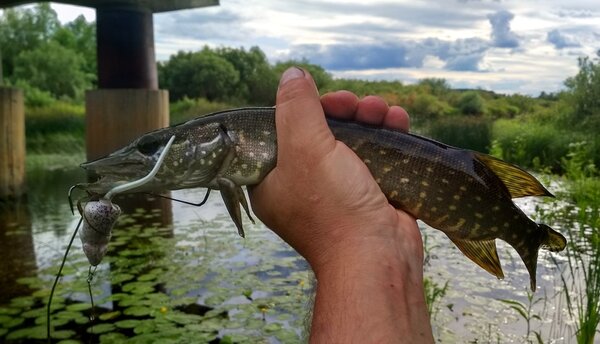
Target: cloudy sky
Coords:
[[509, 46]]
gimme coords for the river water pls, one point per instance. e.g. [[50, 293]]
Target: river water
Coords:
[[179, 272]]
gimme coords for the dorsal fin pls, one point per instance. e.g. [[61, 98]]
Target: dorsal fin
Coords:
[[518, 182], [483, 253]]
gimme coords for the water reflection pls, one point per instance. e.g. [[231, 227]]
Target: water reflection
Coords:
[[17, 249], [167, 257]]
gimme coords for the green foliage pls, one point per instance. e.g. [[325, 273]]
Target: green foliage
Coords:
[[522, 143], [584, 94], [427, 108], [525, 310], [389, 90], [80, 36], [321, 77], [34, 97], [581, 220], [501, 108], [434, 292], [471, 103], [24, 29], [435, 86], [464, 132], [44, 68], [55, 129], [186, 109], [40, 54], [258, 81], [525, 104], [201, 74]]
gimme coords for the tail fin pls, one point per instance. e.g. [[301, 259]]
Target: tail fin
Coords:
[[554, 242], [546, 238]]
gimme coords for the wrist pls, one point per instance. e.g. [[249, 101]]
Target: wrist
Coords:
[[355, 244], [368, 288]]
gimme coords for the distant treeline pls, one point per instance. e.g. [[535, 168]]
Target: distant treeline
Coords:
[[56, 63]]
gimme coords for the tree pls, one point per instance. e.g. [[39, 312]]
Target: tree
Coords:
[[321, 77], [584, 91], [23, 30], [202, 74], [438, 87], [258, 82], [471, 103], [53, 68], [80, 36]]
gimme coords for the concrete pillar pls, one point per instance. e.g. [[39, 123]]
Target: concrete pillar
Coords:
[[114, 117], [126, 57], [12, 143]]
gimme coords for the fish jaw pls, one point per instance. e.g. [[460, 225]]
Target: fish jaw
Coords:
[[129, 163]]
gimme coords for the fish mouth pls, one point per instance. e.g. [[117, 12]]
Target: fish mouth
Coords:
[[120, 166]]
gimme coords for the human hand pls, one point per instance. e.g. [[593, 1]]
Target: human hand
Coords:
[[321, 198], [323, 201]]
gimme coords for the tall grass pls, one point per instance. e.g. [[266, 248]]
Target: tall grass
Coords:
[[532, 144], [54, 135], [581, 278], [467, 132], [54, 129]]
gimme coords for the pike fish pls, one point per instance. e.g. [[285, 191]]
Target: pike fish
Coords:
[[465, 194]]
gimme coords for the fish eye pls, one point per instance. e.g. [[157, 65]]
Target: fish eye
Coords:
[[148, 145]]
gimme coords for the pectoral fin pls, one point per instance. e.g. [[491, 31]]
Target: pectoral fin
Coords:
[[483, 253], [233, 196], [518, 182]]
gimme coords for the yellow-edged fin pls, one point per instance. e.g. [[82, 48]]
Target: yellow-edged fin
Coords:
[[518, 182], [483, 253], [554, 241]]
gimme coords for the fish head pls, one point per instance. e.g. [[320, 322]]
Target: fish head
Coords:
[[193, 160], [132, 162]]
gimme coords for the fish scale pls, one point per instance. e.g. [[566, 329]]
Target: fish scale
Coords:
[[466, 194]]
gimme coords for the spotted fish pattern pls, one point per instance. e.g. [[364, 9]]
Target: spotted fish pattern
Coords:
[[467, 195]]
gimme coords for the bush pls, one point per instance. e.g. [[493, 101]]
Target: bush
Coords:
[[471, 103], [427, 108], [463, 132], [187, 109], [56, 128], [531, 144], [58, 117], [34, 97]]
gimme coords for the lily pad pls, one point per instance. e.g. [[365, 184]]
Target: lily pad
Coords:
[[69, 341], [10, 311], [128, 323], [101, 328], [137, 311], [109, 315], [37, 332], [22, 302], [14, 322], [79, 307]]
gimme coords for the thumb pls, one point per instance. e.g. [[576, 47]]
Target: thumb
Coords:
[[300, 120]]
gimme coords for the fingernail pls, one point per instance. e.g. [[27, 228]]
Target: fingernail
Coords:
[[289, 74]]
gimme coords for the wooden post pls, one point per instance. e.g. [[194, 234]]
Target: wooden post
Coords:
[[12, 143], [114, 117]]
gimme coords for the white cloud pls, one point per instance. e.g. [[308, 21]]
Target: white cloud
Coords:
[[508, 46]]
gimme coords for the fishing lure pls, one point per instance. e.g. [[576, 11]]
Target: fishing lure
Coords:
[[98, 216]]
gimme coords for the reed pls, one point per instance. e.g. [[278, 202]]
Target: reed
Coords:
[[581, 273]]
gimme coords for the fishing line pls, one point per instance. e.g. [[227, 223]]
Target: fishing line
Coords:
[[62, 264], [106, 200], [182, 201], [91, 273]]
